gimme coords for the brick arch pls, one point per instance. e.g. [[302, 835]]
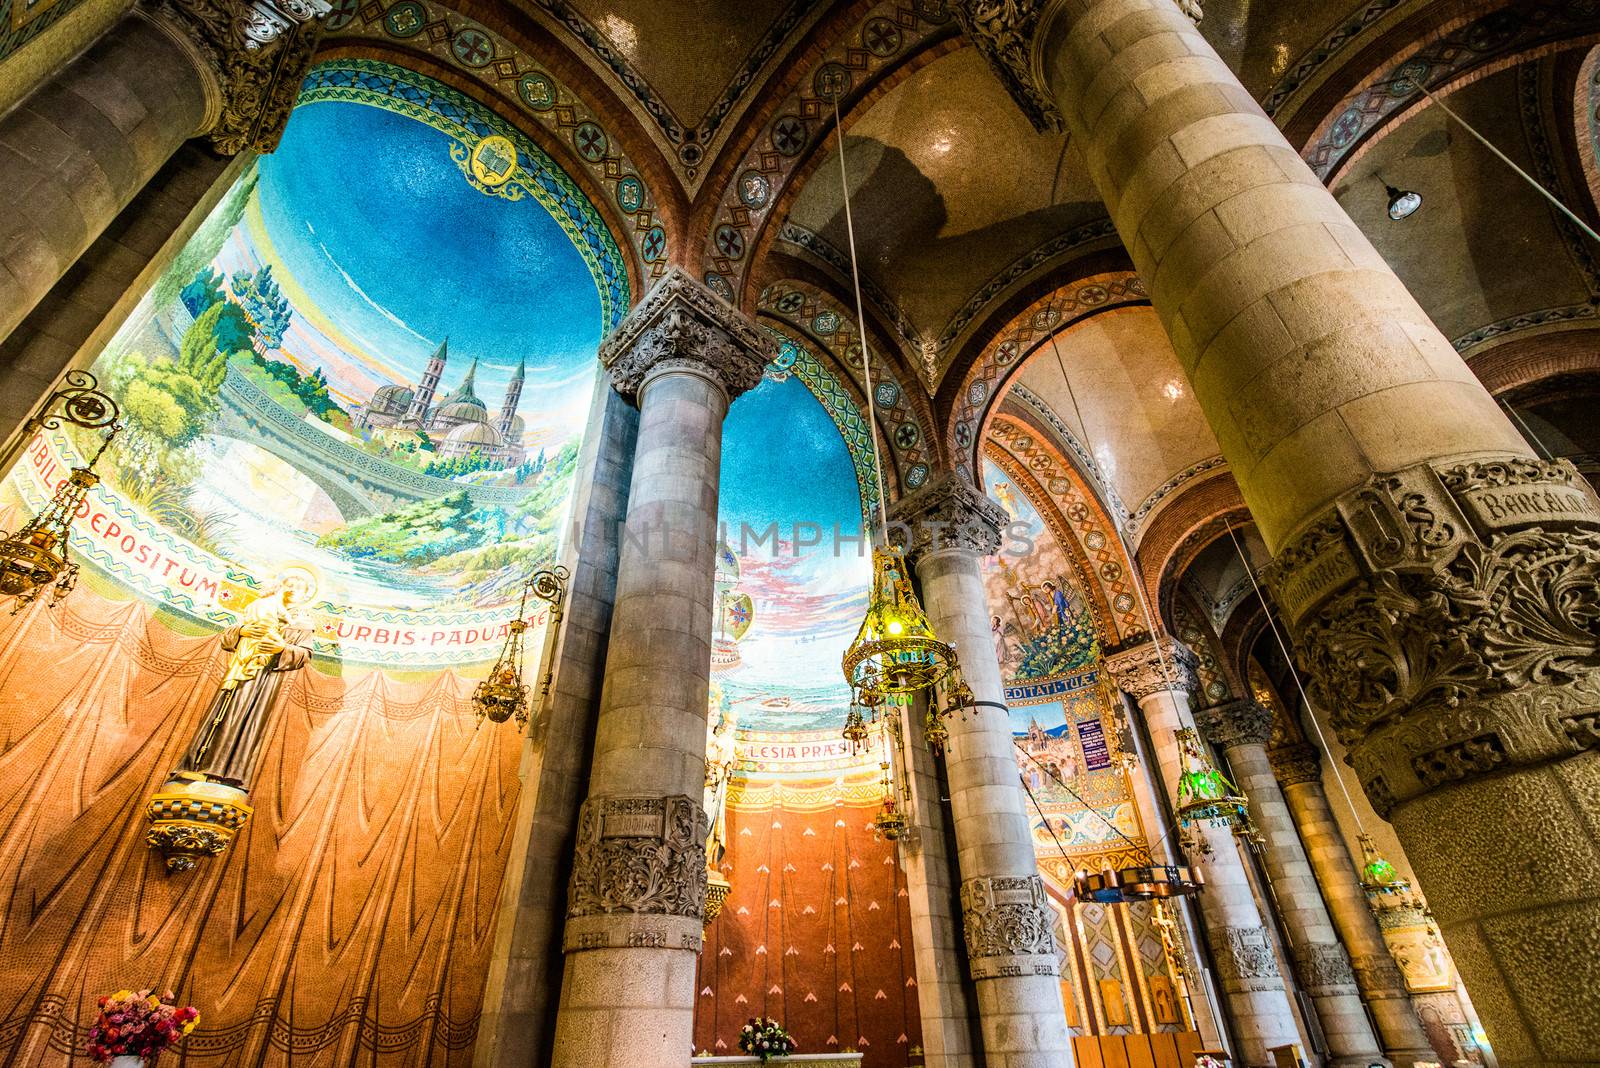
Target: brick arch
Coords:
[[1531, 358], [903, 413], [1202, 512], [786, 141], [974, 405], [1084, 529], [1352, 111]]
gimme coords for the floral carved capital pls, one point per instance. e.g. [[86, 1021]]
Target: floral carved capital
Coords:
[[682, 325], [1162, 665], [1297, 763], [1449, 620], [638, 874], [948, 513], [1243, 722], [1244, 958], [1008, 923], [1324, 968], [254, 54]]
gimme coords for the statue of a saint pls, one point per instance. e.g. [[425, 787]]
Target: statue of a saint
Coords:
[[722, 758], [273, 638]]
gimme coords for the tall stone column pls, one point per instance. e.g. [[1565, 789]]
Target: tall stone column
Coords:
[[636, 902], [1011, 951], [1241, 945], [1427, 565], [1241, 729], [1299, 774], [80, 147]]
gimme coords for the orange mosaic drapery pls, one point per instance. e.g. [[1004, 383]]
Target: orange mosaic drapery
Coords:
[[815, 933], [350, 922]]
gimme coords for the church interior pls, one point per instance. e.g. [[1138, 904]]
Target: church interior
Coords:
[[859, 533]]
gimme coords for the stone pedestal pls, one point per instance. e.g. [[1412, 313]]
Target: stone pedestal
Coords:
[[81, 145], [1006, 917], [1241, 729], [1298, 771], [636, 901], [1241, 946]]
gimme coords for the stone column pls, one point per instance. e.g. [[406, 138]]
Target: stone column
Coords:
[[1427, 565], [1241, 946], [1241, 730], [636, 901], [1011, 951], [1299, 774], [80, 147]]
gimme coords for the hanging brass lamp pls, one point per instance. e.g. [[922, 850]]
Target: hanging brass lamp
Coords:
[[1206, 797], [35, 557], [503, 695]]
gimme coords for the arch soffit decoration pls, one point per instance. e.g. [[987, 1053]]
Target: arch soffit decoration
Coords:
[[973, 406], [889, 38], [903, 415], [1188, 623], [499, 72], [1085, 529], [1531, 358], [1197, 515], [1371, 102]]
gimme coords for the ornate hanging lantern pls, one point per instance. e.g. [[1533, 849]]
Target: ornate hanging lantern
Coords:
[[1388, 892], [1137, 883], [890, 821], [36, 556], [1206, 797], [896, 655], [503, 695], [855, 730]]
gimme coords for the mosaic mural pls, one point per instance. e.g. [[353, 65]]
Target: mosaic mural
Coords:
[[375, 359], [793, 572]]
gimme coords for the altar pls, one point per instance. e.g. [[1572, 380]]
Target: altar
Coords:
[[796, 1060]]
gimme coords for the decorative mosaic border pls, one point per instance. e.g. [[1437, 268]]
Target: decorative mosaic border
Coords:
[[884, 37], [1531, 100], [1507, 31], [1133, 522], [416, 96], [1526, 321], [814, 243], [1009, 349], [822, 319], [1086, 462], [494, 62], [692, 142], [1318, 55]]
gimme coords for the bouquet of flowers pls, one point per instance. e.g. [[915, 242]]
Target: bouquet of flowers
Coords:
[[765, 1038], [1206, 1060], [138, 1024]]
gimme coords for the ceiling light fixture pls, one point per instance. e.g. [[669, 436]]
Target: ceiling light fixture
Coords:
[[1403, 203], [895, 655]]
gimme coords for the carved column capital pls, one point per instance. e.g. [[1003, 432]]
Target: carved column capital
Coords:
[[1323, 968], [949, 513], [1447, 617], [1296, 763], [1009, 927], [1244, 958], [682, 325], [1241, 722], [253, 55], [638, 874], [1379, 976], [1143, 670], [1006, 33]]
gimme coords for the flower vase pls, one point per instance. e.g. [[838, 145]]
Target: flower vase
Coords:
[[127, 1060]]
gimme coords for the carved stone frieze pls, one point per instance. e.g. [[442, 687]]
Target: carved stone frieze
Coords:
[[1463, 634], [1378, 976], [1297, 763], [1008, 921], [948, 513], [638, 874], [1146, 669], [682, 325], [1323, 968], [254, 55], [1242, 722], [1244, 958]]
